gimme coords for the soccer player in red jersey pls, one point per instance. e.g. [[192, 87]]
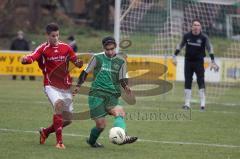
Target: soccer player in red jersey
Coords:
[[53, 58]]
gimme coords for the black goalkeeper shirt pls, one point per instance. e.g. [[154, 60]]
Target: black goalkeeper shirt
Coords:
[[195, 46]]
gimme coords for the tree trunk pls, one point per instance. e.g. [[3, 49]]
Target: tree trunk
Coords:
[[98, 12], [34, 13], [6, 19]]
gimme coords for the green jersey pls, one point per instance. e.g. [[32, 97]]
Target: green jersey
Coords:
[[107, 72]]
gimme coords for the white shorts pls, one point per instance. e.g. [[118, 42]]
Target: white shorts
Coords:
[[55, 94]]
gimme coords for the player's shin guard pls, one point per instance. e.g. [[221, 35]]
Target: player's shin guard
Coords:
[[119, 122], [202, 97], [58, 124], [95, 133], [188, 95]]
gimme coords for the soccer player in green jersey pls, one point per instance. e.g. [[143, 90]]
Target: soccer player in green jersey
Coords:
[[110, 73]]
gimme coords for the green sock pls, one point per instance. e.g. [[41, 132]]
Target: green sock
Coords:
[[95, 133], [119, 122]]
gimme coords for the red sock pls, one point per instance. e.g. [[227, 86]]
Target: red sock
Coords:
[[49, 130], [58, 125]]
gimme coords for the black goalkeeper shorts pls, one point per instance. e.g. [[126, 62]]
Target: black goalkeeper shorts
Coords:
[[196, 67]]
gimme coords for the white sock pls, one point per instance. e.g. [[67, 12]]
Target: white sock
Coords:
[[202, 97], [188, 95]]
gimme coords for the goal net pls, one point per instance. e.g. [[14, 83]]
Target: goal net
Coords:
[[155, 27]]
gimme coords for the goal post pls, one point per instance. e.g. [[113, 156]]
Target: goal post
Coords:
[[155, 27]]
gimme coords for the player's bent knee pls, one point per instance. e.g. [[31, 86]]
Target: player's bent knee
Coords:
[[100, 123], [59, 106], [117, 111], [101, 126]]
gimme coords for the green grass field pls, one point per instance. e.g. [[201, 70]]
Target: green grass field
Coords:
[[213, 134]]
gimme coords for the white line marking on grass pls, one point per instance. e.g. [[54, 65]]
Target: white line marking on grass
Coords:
[[36, 132], [24, 101], [140, 140], [216, 103], [225, 104], [190, 143]]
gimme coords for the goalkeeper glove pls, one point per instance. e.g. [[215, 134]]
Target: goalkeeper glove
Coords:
[[214, 67]]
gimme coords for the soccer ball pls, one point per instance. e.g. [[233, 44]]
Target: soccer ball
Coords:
[[117, 135]]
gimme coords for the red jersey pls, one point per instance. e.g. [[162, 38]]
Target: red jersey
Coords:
[[54, 62]]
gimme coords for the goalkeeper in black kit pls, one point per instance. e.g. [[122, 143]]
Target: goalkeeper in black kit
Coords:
[[196, 43]]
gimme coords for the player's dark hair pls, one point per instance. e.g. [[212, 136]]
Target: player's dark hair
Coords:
[[108, 40], [52, 27], [196, 20]]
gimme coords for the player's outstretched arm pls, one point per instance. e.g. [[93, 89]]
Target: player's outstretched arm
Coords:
[[128, 96], [30, 58], [123, 78], [91, 65], [214, 66], [124, 84], [74, 59], [81, 80], [178, 49], [78, 63]]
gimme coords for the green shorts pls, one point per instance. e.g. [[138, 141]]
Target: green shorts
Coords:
[[99, 102]]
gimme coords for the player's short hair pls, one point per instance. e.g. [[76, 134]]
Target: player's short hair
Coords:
[[52, 27], [196, 20], [108, 40]]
